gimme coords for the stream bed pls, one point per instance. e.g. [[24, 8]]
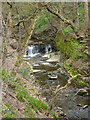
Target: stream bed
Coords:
[[47, 69]]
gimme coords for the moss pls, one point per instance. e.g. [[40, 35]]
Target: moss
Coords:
[[78, 80], [73, 71], [69, 46], [69, 68]]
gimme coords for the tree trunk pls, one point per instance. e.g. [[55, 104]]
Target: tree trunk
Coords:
[[86, 17], [1, 59], [7, 31], [23, 45]]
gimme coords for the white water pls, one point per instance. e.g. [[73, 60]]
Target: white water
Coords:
[[48, 48], [33, 50]]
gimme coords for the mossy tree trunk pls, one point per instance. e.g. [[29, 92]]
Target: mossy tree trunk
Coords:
[[6, 34], [24, 44]]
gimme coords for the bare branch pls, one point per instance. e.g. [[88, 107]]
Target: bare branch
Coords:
[[66, 21], [26, 19]]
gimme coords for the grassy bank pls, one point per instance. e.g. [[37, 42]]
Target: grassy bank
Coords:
[[31, 105]]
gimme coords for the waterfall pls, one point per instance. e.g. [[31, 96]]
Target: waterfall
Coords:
[[31, 51], [48, 48]]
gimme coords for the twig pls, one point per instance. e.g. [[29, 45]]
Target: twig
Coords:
[[66, 21]]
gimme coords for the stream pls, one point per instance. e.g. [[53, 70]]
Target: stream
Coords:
[[47, 69]]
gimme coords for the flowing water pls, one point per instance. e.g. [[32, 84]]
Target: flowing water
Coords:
[[47, 68]]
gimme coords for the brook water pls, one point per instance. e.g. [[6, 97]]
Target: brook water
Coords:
[[47, 68]]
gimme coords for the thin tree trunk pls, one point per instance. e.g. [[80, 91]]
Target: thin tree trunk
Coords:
[[86, 17]]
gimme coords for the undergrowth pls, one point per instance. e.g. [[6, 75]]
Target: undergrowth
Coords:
[[8, 112], [23, 96]]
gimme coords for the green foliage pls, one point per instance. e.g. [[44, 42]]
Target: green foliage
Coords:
[[22, 93], [3, 112], [8, 112], [81, 82], [28, 112], [72, 71], [9, 106], [68, 29], [54, 114], [44, 19], [80, 26], [8, 115], [5, 75], [69, 46], [10, 80], [81, 9], [34, 103]]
